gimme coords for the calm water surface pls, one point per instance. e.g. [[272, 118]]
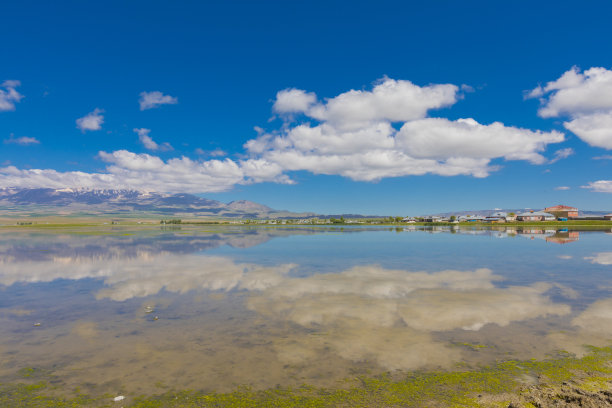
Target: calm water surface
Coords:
[[146, 310]]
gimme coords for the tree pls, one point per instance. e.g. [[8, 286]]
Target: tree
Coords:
[[172, 221]]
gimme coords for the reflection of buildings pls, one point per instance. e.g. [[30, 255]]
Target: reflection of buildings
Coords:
[[563, 237], [536, 232]]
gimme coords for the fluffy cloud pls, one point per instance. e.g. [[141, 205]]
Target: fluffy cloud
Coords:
[[389, 100], [23, 140], [49, 178], [441, 138], [293, 101], [595, 129], [91, 121], [600, 186], [184, 174], [562, 154], [355, 135], [148, 142], [9, 96], [129, 170], [576, 93], [365, 135], [562, 188], [150, 100], [586, 97]]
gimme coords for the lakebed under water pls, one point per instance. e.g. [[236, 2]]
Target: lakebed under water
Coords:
[[140, 311]]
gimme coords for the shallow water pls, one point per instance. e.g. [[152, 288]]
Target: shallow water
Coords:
[[147, 310]]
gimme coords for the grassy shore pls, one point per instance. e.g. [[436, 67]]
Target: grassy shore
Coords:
[[577, 381], [54, 222]]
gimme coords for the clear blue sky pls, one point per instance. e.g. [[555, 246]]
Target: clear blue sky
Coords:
[[165, 96]]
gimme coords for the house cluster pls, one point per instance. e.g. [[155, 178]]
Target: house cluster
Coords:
[[555, 213]]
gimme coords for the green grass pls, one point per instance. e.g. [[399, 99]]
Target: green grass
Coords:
[[432, 389], [103, 222]]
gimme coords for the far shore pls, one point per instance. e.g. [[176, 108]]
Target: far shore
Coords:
[[103, 221]]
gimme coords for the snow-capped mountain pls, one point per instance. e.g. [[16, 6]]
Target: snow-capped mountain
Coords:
[[123, 201]]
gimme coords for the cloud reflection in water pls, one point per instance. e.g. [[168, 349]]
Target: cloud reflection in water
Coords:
[[364, 313]]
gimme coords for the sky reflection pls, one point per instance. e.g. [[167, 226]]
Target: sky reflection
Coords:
[[219, 294]]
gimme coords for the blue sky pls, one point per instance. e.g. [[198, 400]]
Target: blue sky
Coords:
[[333, 107]]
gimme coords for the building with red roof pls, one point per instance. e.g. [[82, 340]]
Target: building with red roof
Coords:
[[564, 211]]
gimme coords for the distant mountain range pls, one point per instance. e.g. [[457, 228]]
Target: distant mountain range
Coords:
[[47, 201], [126, 203]]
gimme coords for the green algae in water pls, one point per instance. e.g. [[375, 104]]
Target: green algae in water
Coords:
[[444, 389]]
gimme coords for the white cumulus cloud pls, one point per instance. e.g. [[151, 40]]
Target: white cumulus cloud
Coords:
[[150, 100], [365, 135], [355, 134], [388, 101], [595, 129], [293, 100], [91, 121], [127, 170], [584, 97], [148, 142], [600, 186], [441, 138], [23, 140], [9, 95]]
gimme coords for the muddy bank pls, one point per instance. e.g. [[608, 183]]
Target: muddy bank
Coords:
[[566, 395]]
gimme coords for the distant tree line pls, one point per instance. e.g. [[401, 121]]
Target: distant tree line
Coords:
[[171, 221]]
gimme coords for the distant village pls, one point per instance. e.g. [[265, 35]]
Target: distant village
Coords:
[[555, 213]]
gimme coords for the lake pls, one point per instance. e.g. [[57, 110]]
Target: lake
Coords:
[[144, 310]]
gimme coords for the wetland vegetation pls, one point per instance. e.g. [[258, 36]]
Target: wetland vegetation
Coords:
[[530, 383]]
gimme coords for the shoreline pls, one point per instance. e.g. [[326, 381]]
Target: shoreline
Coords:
[[563, 381], [47, 222]]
